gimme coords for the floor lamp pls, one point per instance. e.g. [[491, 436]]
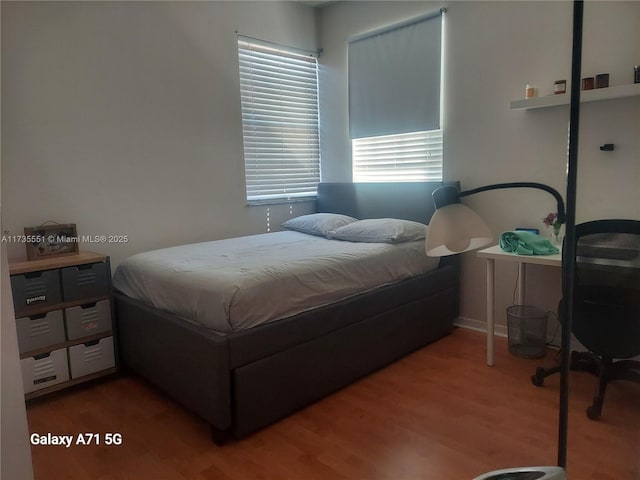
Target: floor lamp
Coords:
[[455, 228], [461, 232]]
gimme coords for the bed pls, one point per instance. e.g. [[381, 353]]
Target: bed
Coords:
[[245, 373]]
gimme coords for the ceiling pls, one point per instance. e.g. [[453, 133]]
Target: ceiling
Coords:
[[317, 3]]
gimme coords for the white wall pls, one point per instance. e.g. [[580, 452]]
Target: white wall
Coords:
[[492, 50], [124, 118], [15, 450]]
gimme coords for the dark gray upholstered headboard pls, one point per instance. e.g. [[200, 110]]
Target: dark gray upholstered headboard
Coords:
[[411, 201]]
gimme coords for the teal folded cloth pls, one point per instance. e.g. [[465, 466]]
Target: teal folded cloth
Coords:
[[526, 243]]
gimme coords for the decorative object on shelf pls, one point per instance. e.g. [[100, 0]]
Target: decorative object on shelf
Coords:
[[560, 86], [529, 91], [602, 80], [587, 83], [551, 220], [592, 95], [51, 240], [636, 74]]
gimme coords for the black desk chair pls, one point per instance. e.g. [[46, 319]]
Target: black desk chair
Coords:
[[606, 305]]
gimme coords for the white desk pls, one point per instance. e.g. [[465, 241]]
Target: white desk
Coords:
[[496, 253]]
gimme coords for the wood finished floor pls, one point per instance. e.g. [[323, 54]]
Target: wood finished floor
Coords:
[[438, 414]]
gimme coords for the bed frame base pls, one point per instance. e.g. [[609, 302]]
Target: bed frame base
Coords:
[[220, 437], [244, 381], [216, 377]]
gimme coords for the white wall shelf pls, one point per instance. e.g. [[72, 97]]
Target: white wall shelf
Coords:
[[619, 91]]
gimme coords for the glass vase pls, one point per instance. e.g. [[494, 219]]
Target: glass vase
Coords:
[[556, 237]]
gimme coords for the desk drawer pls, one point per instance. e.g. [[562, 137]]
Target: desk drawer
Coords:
[[44, 370], [35, 289], [91, 357], [85, 320], [85, 281], [40, 330]]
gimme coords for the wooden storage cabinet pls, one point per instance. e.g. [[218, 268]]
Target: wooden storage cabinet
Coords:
[[64, 320]]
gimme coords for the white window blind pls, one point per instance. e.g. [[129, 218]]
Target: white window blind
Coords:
[[395, 77], [405, 157], [279, 94]]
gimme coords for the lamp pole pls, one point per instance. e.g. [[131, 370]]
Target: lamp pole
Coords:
[[569, 254], [450, 195], [540, 186]]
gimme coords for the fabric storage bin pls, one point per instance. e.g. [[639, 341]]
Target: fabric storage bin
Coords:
[[44, 370], [91, 357], [89, 319], [35, 289], [40, 331], [85, 281]]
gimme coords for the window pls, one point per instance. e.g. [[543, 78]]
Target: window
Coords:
[[279, 93], [395, 77], [405, 157]]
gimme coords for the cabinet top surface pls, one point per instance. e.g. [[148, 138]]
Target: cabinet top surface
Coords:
[[81, 258]]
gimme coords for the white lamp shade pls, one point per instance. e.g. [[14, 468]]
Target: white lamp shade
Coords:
[[455, 228]]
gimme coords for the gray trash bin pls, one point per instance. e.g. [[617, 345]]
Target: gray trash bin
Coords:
[[527, 331]]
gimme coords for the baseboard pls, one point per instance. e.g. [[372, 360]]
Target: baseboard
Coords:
[[501, 331], [479, 325]]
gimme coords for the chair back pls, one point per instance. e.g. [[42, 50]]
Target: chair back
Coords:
[[606, 317]]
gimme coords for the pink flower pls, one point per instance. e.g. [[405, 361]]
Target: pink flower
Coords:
[[551, 220]]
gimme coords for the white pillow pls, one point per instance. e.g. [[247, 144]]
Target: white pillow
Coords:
[[380, 230], [318, 223]]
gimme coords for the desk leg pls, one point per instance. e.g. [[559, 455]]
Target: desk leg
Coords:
[[522, 290], [490, 309]]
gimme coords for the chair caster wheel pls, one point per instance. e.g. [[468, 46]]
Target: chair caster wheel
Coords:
[[574, 361], [593, 413], [538, 378]]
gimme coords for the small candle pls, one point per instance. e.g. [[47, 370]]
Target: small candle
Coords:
[[530, 91]]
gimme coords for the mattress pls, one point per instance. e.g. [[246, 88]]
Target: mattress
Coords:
[[234, 284]]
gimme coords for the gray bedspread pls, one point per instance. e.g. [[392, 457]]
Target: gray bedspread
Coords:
[[237, 283]]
